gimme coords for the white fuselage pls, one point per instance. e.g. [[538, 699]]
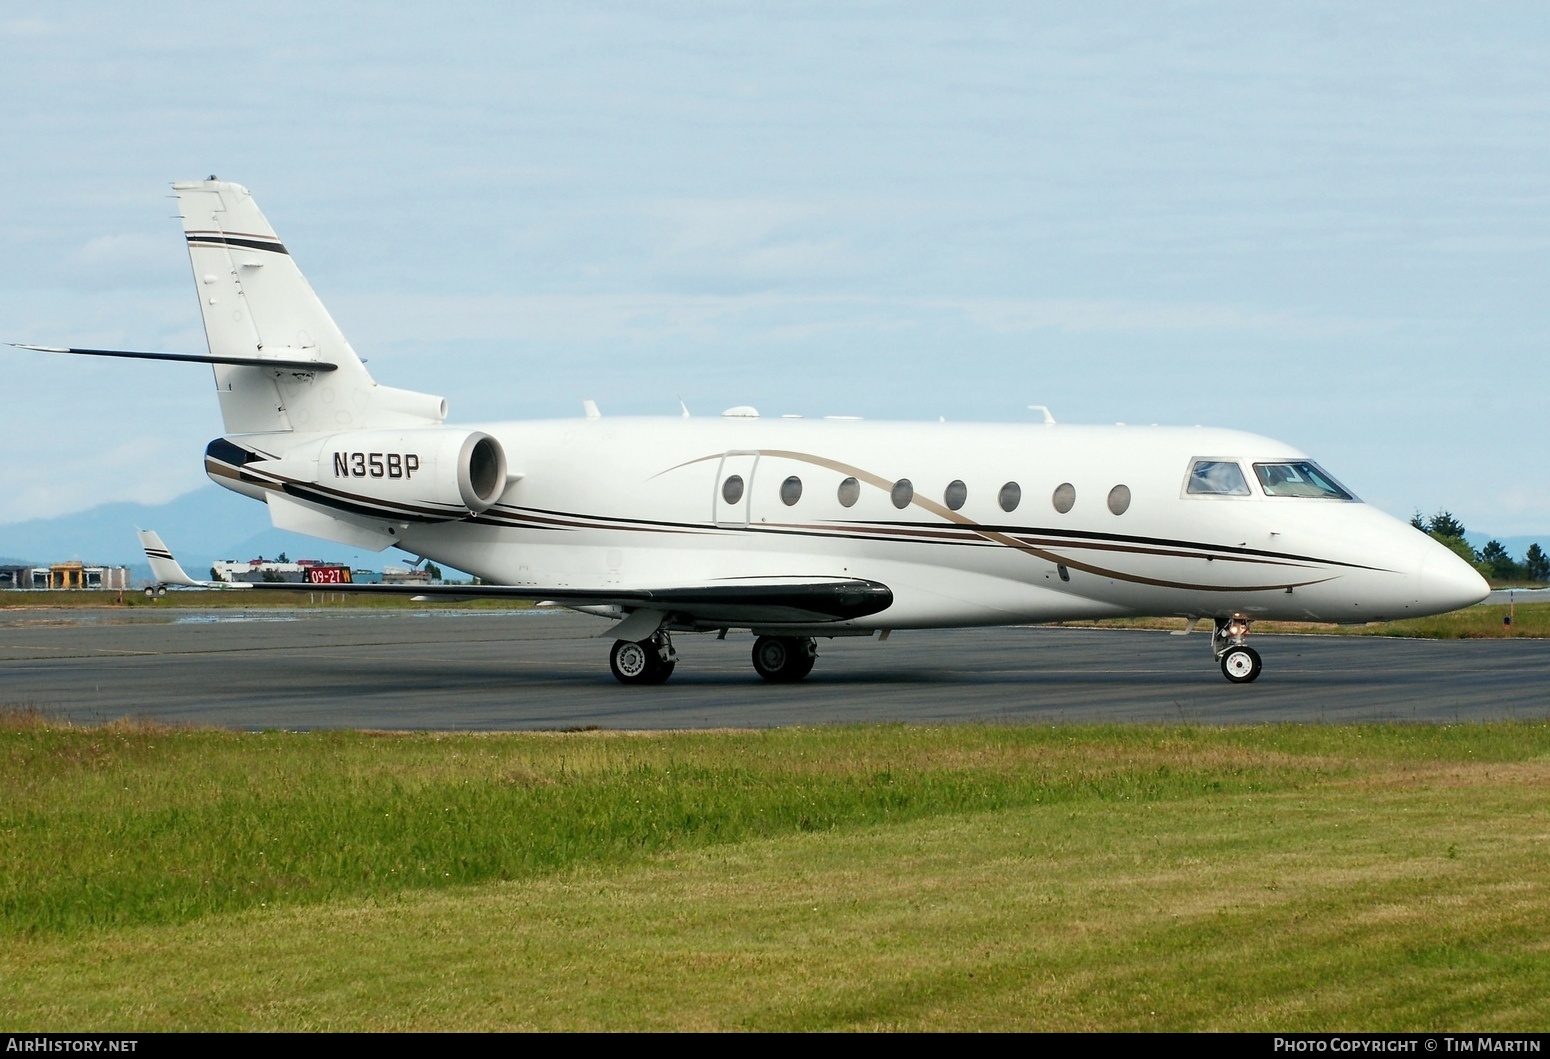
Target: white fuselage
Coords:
[[642, 503]]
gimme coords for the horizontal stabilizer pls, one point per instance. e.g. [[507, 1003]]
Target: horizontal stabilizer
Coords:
[[190, 358]]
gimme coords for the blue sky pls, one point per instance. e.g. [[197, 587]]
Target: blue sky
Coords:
[[1328, 223]]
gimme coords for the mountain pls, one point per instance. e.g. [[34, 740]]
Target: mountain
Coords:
[[208, 524], [1516, 546]]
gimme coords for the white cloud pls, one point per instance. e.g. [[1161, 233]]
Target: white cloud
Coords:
[[1524, 509], [145, 469], [28, 27], [590, 318], [749, 238], [1074, 316], [126, 260]]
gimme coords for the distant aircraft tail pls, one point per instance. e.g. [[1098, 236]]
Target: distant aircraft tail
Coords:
[[258, 305], [166, 569]]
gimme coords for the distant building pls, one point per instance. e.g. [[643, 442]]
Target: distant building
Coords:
[[398, 575], [300, 572], [72, 574]]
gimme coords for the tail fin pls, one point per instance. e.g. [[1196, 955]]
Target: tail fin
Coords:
[[166, 569], [257, 304]]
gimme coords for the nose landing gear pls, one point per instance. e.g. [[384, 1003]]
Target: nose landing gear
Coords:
[[1240, 663], [645, 661], [784, 659]]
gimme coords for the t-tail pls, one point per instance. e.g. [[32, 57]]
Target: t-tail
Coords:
[[258, 307], [281, 363]]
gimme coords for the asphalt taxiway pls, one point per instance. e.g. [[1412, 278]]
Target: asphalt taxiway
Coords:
[[543, 669]]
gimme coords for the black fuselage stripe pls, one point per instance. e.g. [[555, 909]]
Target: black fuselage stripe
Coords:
[[635, 526], [884, 532], [859, 531]]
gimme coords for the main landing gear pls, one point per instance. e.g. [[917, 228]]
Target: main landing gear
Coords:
[[784, 659], [1240, 662], [645, 662]]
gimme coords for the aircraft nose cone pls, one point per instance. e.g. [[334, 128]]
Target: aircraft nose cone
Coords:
[[1448, 582]]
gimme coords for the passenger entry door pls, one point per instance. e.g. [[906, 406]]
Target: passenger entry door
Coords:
[[734, 488]]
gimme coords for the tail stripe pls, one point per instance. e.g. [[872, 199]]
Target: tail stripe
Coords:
[[245, 242]]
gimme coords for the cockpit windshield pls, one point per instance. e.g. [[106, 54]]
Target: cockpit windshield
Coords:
[[1299, 478], [1216, 478]]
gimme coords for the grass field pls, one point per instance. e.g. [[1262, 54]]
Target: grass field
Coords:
[[1529, 620], [1384, 877]]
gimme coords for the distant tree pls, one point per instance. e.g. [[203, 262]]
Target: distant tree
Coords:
[[1443, 524], [1498, 563], [270, 575], [434, 571], [1537, 563], [283, 559], [215, 576], [1418, 520], [1449, 532]]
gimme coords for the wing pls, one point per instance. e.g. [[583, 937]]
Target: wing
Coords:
[[735, 601]]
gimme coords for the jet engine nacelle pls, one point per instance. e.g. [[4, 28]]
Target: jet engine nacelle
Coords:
[[433, 473]]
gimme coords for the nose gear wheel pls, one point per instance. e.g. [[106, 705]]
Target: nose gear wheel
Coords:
[[1241, 665]]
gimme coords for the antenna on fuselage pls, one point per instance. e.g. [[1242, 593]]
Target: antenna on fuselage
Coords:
[[1049, 420]]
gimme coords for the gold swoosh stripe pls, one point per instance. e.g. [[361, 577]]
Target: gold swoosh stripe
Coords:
[[998, 537]]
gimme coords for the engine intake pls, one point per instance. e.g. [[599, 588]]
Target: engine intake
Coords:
[[434, 474]]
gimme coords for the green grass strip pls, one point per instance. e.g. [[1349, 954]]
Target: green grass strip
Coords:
[[1400, 880], [131, 824]]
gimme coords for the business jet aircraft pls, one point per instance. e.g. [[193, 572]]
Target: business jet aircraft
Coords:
[[794, 529]]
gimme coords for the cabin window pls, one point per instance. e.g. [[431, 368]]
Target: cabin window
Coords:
[[1011, 496], [1119, 499], [1216, 478], [791, 490], [1064, 498], [732, 489], [955, 495], [1299, 478], [850, 492], [903, 492]]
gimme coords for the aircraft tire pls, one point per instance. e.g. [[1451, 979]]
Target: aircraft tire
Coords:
[[1241, 665], [633, 663], [783, 659]]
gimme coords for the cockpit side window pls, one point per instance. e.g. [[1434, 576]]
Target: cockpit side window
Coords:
[[1216, 478], [1299, 478]]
